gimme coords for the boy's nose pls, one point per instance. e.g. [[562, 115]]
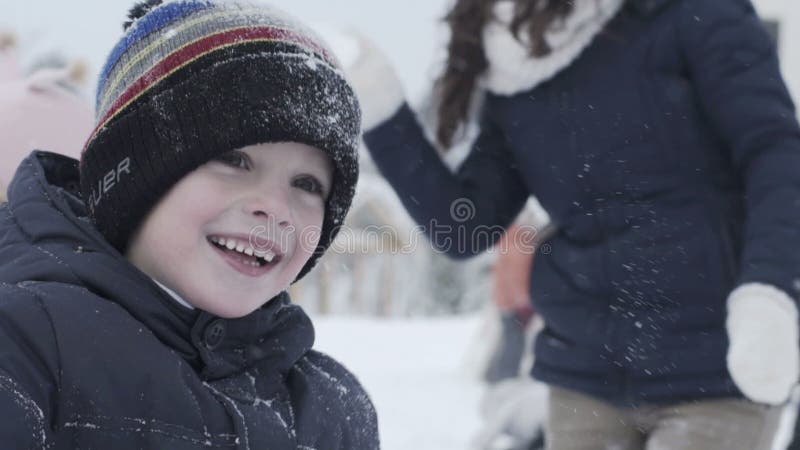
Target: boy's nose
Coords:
[[269, 216], [269, 207]]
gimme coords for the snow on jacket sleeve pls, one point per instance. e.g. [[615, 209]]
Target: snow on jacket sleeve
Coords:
[[28, 362], [23, 423], [349, 420], [734, 66], [462, 213]]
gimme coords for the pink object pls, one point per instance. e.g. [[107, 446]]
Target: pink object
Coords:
[[36, 113]]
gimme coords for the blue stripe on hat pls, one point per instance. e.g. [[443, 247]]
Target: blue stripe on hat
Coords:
[[156, 19]]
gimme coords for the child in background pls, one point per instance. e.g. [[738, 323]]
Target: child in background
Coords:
[[513, 405], [511, 290], [142, 289], [38, 110]]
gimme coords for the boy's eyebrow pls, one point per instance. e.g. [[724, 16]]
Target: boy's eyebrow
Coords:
[[320, 175]]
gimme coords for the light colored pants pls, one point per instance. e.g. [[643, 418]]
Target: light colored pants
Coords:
[[580, 422]]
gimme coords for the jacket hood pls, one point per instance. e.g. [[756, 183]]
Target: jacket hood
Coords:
[[511, 67]]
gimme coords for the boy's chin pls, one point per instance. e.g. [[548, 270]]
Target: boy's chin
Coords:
[[234, 307], [234, 300]]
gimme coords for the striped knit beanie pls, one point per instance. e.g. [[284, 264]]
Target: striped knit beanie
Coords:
[[192, 79]]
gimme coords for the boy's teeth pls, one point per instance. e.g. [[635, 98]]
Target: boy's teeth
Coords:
[[251, 263], [233, 244]]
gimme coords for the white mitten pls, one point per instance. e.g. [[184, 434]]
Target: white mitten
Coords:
[[377, 86], [764, 352], [514, 411]]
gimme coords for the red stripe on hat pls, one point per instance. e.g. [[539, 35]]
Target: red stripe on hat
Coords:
[[198, 48]]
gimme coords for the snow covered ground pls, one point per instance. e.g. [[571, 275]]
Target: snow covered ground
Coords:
[[417, 372], [421, 376]]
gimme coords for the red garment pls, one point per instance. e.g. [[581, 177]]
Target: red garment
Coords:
[[511, 271]]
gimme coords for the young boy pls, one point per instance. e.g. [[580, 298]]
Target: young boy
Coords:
[[142, 290]]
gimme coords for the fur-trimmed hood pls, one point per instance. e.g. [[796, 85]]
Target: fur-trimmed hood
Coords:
[[511, 67]]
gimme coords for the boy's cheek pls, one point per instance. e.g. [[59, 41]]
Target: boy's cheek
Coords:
[[309, 238]]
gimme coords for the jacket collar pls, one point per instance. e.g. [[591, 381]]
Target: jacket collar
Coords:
[[44, 202], [271, 339]]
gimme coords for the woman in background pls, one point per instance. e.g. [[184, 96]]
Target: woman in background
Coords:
[[661, 140]]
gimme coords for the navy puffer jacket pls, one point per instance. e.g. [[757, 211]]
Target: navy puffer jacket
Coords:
[[668, 155], [93, 355]]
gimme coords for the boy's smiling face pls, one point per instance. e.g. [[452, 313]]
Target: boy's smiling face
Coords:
[[236, 231]]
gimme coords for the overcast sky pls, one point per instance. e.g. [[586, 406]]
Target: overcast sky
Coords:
[[409, 31], [405, 29]]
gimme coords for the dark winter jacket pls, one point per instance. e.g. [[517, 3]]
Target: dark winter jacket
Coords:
[[93, 355], [668, 155]]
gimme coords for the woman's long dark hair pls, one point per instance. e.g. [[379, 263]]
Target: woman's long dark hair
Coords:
[[466, 60]]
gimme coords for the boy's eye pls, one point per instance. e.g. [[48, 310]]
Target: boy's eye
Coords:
[[308, 183], [235, 158]]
